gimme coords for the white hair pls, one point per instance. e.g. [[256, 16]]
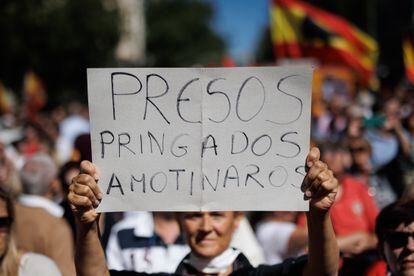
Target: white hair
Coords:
[[37, 180]]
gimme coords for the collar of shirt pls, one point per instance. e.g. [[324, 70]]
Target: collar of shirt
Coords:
[[42, 202], [218, 264]]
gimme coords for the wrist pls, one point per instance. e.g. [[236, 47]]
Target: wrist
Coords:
[[83, 228], [318, 213]]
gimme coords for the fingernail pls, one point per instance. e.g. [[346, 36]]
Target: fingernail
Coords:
[[99, 196], [310, 164], [96, 177], [308, 193]]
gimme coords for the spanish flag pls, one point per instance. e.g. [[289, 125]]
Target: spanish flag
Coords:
[[34, 94], [5, 101], [301, 30], [408, 53]]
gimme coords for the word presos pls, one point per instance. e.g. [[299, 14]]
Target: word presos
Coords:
[[183, 98]]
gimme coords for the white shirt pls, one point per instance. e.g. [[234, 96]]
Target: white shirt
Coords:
[[132, 245], [274, 237], [33, 264], [38, 201]]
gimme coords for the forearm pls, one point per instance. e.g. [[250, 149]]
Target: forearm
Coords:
[[89, 256], [323, 247]]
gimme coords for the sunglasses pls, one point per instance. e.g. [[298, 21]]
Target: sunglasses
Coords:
[[397, 239]]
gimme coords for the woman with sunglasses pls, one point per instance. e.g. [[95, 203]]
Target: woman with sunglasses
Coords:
[[395, 232], [13, 261]]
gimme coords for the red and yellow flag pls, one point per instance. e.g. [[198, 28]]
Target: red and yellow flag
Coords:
[[34, 94], [302, 30], [5, 102], [408, 54]]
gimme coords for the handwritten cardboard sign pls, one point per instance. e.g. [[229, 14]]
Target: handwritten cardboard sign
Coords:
[[186, 139]]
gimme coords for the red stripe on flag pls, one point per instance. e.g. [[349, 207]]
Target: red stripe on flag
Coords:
[[332, 23]]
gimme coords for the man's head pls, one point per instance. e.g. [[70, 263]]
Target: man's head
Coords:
[[38, 174], [335, 157], [395, 232], [209, 233]]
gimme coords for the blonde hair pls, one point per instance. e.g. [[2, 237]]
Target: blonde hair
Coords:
[[11, 260]]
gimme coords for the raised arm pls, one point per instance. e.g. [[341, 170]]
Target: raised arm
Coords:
[[84, 196], [321, 187]]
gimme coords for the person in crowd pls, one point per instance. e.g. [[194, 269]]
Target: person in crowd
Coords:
[[152, 242], [146, 242], [74, 124], [395, 232], [9, 176], [389, 142], [280, 236], [39, 226], [408, 162], [388, 136], [333, 123], [35, 140], [209, 233], [14, 262], [353, 214], [66, 172], [376, 181]]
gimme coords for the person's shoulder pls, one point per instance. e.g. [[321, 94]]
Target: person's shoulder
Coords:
[[37, 264], [133, 273], [289, 267]]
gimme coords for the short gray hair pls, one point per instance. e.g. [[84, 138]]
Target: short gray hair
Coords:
[[37, 181]]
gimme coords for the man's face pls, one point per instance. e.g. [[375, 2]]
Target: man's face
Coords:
[[399, 250], [209, 233]]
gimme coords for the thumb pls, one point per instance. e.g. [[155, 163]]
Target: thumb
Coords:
[[313, 156], [89, 168]]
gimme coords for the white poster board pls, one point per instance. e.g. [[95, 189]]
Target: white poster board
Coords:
[[187, 139]]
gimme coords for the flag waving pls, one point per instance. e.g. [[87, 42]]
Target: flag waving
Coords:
[[302, 30], [408, 54]]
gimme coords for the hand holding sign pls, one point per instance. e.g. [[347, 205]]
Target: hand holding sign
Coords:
[[84, 193], [319, 184]]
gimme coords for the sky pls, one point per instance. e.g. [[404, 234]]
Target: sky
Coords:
[[240, 23]]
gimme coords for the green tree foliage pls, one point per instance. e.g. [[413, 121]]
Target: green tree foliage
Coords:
[[179, 34], [58, 39]]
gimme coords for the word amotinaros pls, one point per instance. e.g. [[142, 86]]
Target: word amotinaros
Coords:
[[181, 139]]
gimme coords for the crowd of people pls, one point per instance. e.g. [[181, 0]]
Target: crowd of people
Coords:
[[360, 184]]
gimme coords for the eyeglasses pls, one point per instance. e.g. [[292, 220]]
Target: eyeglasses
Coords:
[[5, 222], [397, 239]]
